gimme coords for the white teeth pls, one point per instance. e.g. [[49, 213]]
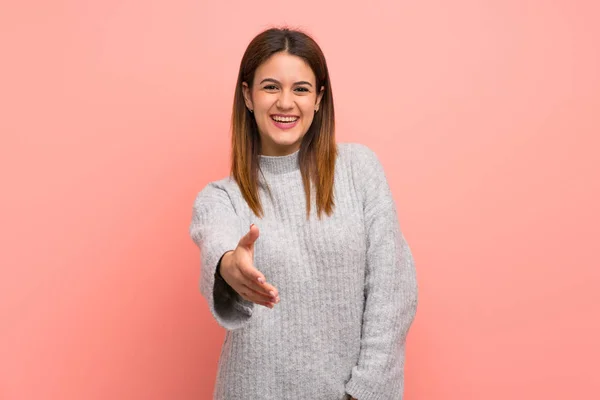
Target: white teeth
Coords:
[[284, 119]]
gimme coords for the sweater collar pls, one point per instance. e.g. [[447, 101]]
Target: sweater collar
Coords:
[[280, 164]]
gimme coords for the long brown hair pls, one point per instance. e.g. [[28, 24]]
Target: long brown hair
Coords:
[[318, 150]]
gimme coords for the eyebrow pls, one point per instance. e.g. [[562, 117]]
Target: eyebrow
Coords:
[[279, 83]]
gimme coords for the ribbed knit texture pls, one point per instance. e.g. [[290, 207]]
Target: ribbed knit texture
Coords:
[[347, 285]]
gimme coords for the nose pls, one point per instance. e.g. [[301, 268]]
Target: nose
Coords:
[[285, 100]]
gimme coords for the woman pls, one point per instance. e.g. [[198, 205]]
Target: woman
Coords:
[[303, 261]]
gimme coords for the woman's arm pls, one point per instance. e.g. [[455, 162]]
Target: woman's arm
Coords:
[[390, 288], [216, 229]]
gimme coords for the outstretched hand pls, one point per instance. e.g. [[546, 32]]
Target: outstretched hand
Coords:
[[237, 269]]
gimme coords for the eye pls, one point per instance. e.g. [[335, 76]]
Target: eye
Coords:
[[271, 87], [302, 89]]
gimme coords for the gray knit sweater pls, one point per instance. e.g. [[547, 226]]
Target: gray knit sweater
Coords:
[[347, 285]]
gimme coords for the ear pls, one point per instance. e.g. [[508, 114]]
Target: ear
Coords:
[[319, 97], [247, 96]]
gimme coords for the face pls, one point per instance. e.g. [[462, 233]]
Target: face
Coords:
[[284, 99]]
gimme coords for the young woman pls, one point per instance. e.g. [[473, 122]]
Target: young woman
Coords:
[[303, 261]]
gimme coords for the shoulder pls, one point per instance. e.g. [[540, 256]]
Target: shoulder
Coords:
[[360, 157], [220, 190], [366, 170]]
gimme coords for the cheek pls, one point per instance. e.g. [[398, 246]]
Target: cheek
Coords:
[[308, 118], [261, 102], [310, 112], [308, 109]]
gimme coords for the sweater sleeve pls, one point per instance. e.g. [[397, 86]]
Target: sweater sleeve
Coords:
[[390, 288], [216, 228]]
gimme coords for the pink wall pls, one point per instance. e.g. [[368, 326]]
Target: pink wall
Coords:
[[115, 113]]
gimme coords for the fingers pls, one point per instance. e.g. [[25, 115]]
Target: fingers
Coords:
[[255, 280], [250, 237], [251, 289], [251, 295], [258, 284], [259, 298]]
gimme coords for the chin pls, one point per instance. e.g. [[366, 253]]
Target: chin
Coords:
[[285, 138]]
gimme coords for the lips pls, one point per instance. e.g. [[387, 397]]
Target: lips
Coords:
[[285, 121]]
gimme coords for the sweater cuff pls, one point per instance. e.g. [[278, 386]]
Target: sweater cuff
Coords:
[[229, 309]]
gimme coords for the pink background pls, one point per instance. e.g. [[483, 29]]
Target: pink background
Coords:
[[114, 114]]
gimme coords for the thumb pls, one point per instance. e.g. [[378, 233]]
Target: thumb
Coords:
[[249, 238]]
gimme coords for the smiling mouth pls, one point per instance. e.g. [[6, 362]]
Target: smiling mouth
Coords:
[[284, 120]]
